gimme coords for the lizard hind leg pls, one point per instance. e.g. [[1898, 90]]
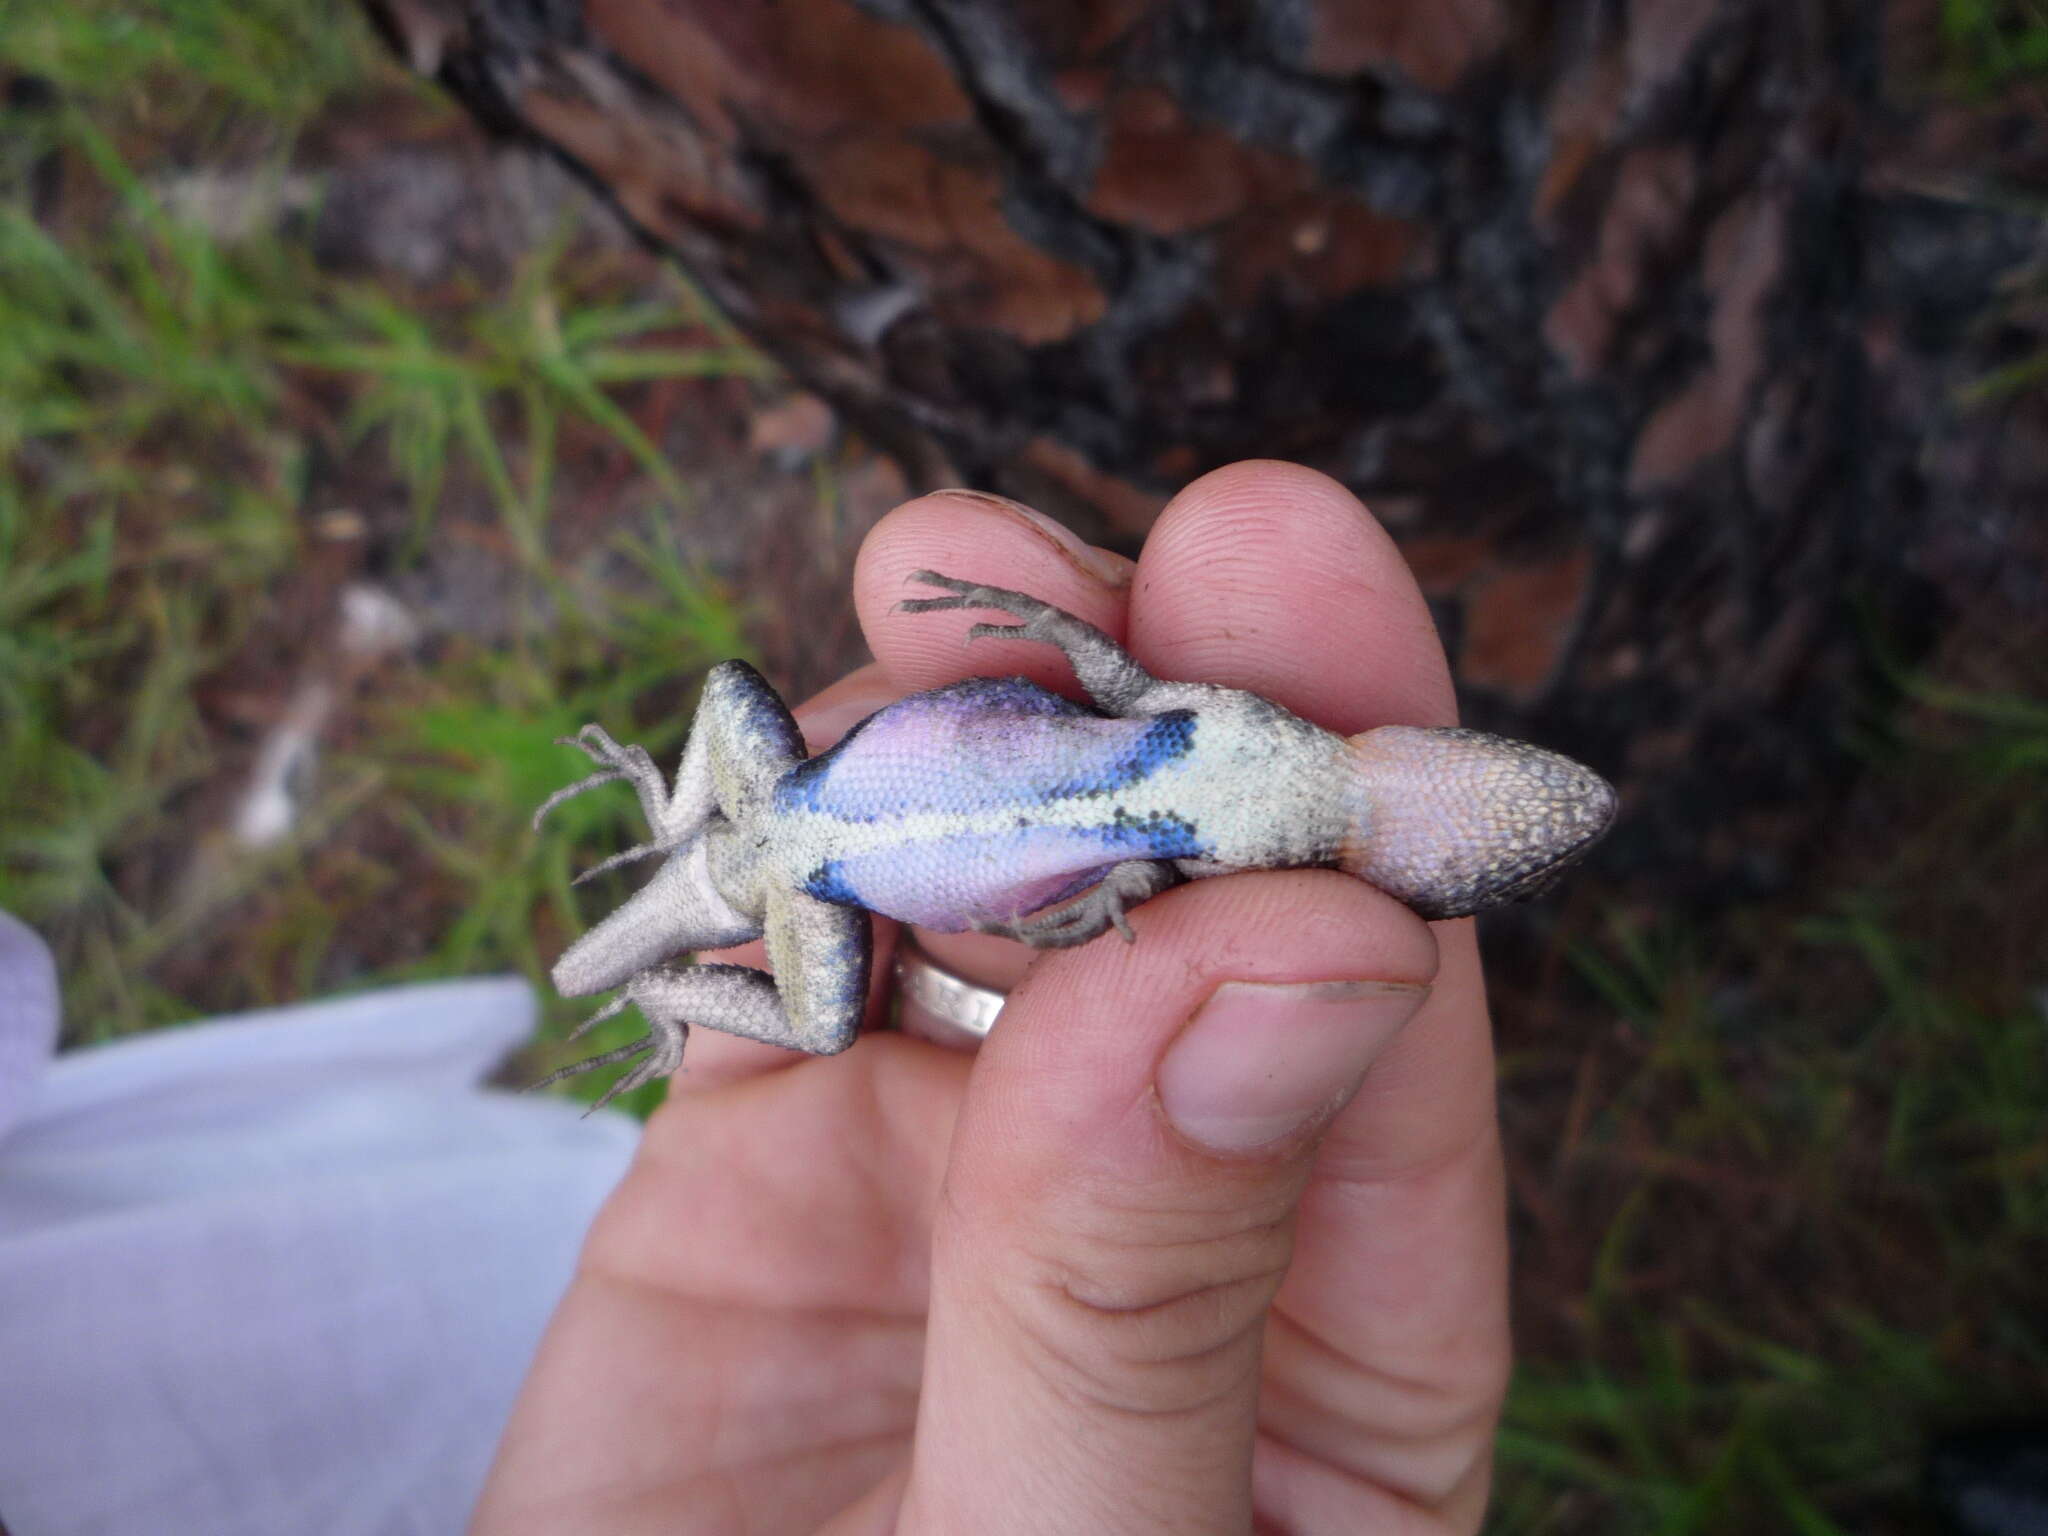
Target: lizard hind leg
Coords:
[[1117, 684], [736, 999], [679, 911], [822, 954]]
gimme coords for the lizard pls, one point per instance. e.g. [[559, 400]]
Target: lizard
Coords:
[[994, 804]]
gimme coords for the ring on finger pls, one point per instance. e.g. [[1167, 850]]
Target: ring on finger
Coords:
[[940, 1005]]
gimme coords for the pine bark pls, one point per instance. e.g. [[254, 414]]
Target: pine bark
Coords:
[[1646, 326]]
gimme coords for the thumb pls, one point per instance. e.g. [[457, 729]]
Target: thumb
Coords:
[[1118, 1209]]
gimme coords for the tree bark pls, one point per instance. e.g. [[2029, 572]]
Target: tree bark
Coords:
[[1643, 325]]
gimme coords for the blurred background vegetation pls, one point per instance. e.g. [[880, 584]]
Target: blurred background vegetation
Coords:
[[339, 473]]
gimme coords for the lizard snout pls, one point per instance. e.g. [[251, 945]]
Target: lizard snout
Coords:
[[1456, 821]]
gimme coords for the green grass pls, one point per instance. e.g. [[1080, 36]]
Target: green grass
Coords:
[[1894, 1183], [525, 358], [1799, 1223], [231, 72], [163, 392], [1991, 44]]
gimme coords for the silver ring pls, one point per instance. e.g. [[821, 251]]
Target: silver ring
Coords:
[[936, 1005]]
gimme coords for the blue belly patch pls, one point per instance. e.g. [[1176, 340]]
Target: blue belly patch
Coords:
[[981, 745], [954, 882]]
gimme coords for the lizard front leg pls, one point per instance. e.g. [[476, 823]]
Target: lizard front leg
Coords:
[[1100, 907], [1117, 684]]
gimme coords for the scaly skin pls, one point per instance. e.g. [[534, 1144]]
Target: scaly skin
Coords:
[[981, 804]]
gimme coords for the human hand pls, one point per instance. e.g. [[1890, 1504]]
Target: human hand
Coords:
[[1119, 1271]]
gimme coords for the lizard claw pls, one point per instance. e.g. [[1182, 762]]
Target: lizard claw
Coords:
[[610, 1010], [969, 594], [998, 631], [661, 1050], [932, 604], [631, 855], [1094, 911], [571, 791], [596, 743], [973, 595], [1062, 928], [936, 604], [613, 762]]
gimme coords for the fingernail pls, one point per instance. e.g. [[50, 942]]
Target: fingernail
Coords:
[[1103, 565], [1262, 1062]]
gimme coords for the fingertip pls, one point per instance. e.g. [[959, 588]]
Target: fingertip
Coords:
[[834, 710], [1082, 1035], [1273, 577], [977, 537]]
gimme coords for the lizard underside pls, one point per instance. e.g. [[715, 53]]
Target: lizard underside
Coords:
[[996, 805]]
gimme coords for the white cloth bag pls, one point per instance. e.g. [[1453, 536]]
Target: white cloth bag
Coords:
[[276, 1275]]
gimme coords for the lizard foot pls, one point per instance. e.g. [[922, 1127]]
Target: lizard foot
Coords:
[[1116, 684], [1063, 928], [662, 1046], [1042, 621], [632, 855], [1096, 910], [614, 762]]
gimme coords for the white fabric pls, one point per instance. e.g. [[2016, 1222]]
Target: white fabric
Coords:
[[280, 1274], [28, 1016]]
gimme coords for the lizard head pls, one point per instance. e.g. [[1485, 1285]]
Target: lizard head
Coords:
[[1455, 821]]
